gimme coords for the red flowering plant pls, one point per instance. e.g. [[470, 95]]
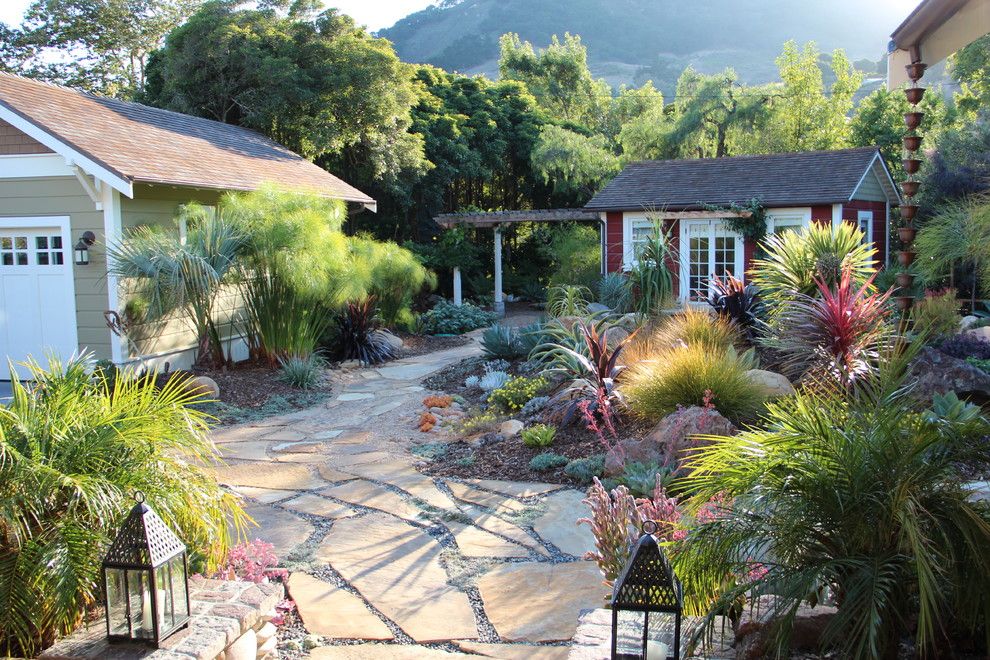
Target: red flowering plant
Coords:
[[254, 561]]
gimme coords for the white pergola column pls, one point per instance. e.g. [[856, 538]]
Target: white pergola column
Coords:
[[499, 302], [458, 299]]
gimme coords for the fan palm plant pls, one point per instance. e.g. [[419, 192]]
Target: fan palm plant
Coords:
[[187, 276], [852, 497], [73, 449]]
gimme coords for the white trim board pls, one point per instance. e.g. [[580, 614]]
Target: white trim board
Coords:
[[112, 234], [27, 166], [72, 156]]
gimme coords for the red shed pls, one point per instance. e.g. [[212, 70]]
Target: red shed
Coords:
[[846, 185]]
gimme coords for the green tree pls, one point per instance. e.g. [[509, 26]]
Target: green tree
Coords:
[[971, 67], [317, 84], [97, 45], [559, 78], [804, 114], [573, 162]]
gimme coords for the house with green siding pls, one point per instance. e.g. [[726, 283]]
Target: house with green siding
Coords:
[[79, 170]]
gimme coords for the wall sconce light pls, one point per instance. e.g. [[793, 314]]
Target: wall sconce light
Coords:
[[82, 248]]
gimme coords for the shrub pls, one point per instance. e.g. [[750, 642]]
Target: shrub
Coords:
[[481, 422], [302, 372], [583, 470], [516, 392], [72, 453], [435, 401], [547, 461], [568, 300], [576, 253], [910, 562], [736, 302], [982, 365], [254, 561], [965, 345], [446, 318], [358, 337], [837, 336], [539, 435], [614, 292], [431, 450], [796, 260], [500, 341], [692, 376], [393, 275], [936, 315]]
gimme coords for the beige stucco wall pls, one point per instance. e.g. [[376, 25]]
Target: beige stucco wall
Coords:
[[64, 196]]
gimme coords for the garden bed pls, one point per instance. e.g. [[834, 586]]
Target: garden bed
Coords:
[[422, 344]]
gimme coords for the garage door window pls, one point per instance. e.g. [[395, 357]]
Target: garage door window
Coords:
[[48, 250], [14, 250]]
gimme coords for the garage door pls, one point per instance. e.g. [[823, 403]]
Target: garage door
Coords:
[[37, 300]]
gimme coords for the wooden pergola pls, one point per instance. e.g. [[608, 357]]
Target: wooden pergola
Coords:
[[498, 219]]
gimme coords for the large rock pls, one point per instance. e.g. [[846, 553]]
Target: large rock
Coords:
[[966, 322], [934, 372], [629, 321], [753, 630], [598, 308], [982, 332], [772, 383], [202, 386], [616, 335], [670, 438], [510, 428], [391, 339]]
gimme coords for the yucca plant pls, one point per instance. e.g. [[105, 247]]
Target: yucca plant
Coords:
[[185, 277], [796, 261], [854, 497], [73, 450], [568, 300], [358, 337], [651, 279], [839, 334]]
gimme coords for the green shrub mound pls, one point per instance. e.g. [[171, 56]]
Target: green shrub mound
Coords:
[[74, 448], [446, 318], [547, 461]]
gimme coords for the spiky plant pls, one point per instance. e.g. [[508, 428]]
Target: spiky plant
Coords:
[[614, 292], [568, 300], [736, 302], [302, 372], [73, 450], [852, 496], [185, 277], [359, 339], [838, 334], [502, 341], [652, 279]]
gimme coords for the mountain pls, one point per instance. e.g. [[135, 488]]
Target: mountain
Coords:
[[630, 41]]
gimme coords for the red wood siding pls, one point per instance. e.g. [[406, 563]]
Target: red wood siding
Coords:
[[822, 214], [880, 221], [613, 242]]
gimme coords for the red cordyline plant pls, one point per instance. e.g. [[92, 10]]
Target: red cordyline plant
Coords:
[[617, 520], [594, 370], [838, 334]]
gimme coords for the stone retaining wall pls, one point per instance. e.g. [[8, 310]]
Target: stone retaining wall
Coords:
[[231, 621]]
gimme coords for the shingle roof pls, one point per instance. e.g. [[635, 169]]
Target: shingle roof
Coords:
[[792, 179], [142, 144]]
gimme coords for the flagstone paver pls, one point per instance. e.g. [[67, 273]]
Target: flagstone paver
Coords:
[[329, 610], [558, 524], [538, 602], [397, 567], [336, 489]]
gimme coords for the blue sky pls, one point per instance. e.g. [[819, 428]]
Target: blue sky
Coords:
[[375, 14]]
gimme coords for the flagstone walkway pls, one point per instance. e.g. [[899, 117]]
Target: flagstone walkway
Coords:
[[389, 563]]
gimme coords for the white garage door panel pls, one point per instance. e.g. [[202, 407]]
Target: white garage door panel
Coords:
[[37, 298]]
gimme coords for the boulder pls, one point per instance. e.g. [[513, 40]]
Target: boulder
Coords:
[[569, 321], [616, 335], [982, 332], [667, 442], [510, 428], [203, 386], [629, 321], [392, 340], [772, 383], [598, 308], [967, 322], [754, 626], [934, 372]]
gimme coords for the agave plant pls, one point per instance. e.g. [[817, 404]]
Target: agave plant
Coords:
[[74, 447], [592, 390], [847, 495], [359, 338], [736, 302], [838, 334], [502, 341]]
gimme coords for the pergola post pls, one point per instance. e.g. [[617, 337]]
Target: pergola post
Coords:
[[499, 302], [457, 286]]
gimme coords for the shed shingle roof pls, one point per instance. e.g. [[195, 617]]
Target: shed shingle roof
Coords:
[[792, 179], [142, 144]]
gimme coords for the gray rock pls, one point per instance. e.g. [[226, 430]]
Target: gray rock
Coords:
[[981, 332], [934, 372], [598, 308], [510, 428], [629, 321], [966, 322], [772, 383], [616, 335], [667, 442], [392, 340]]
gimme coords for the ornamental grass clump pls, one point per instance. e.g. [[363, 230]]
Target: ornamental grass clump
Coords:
[[693, 375], [853, 495], [936, 316], [74, 448]]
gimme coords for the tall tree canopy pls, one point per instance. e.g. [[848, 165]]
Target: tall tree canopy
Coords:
[[314, 82], [97, 45], [971, 67]]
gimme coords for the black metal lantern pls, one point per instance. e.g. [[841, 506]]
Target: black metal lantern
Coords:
[[647, 584], [145, 581], [81, 251]]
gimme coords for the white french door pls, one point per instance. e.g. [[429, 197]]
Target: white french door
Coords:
[[708, 249]]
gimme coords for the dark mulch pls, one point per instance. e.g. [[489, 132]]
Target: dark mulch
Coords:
[[249, 392], [423, 344]]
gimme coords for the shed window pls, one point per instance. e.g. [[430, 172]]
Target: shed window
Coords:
[[865, 221]]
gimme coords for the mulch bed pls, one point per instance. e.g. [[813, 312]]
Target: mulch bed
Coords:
[[423, 344]]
